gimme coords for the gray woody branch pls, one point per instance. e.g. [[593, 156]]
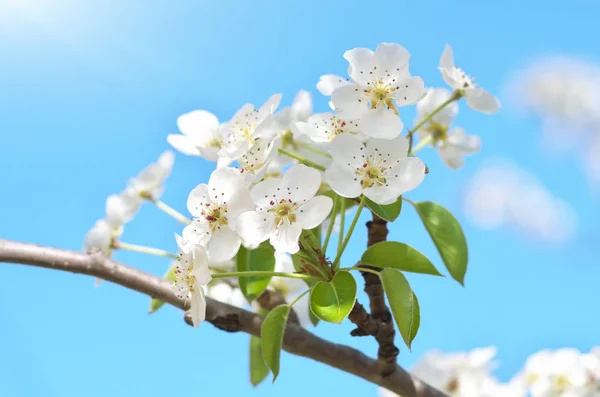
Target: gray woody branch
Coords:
[[297, 340]]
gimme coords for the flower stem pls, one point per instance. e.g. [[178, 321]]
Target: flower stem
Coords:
[[336, 203], [302, 160], [336, 262], [308, 147], [362, 269], [342, 226], [266, 274], [422, 144], [143, 249], [299, 297], [454, 97], [171, 211]]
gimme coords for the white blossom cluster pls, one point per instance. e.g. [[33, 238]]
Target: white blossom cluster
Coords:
[[122, 207], [564, 93], [501, 194], [560, 373]]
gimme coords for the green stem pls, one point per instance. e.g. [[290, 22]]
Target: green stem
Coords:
[[299, 297], [422, 144], [302, 160], [363, 201], [308, 147], [266, 274], [409, 201], [362, 269], [143, 249], [336, 202], [342, 225], [171, 211]]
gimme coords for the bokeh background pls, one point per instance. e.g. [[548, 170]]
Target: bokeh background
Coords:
[[90, 89]]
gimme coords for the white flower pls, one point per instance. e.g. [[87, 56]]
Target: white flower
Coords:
[[99, 237], [286, 206], [215, 207], [149, 182], [191, 274], [300, 110], [254, 162], [249, 124], [458, 374], [381, 170], [329, 83], [323, 127], [226, 293], [201, 135], [477, 98], [382, 83], [121, 208]]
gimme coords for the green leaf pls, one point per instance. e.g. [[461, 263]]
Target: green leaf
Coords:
[[258, 368], [448, 237], [259, 259], [398, 256], [386, 212], [332, 301], [156, 304], [271, 332], [313, 319], [403, 303]]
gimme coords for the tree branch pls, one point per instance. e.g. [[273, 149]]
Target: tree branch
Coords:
[[297, 340]]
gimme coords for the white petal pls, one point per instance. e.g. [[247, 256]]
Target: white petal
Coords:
[[300, 183], [380, 123], [312, 213], [238, 204], [197, 199], [224, 183], [197, 232], [166, 160], [343, 181], [390, 150], [348, 150], [223, 245], [361, 63], [391, 56], [201, 272], [223, 161], [285, 238], [98, 237], [255, 227], [411, 91], [263, 192], [381, 194], [434, 98], [406, 175], [481, 100], [199, 125], [302, 106], [329, 82], [452, 157], [183, 144], [459, 139], [447, 58], [350, 99], [269, 107], [198, 306]]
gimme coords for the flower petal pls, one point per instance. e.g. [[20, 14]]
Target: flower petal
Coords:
[[452, 157], [361, 63], [224, 183], [388, 151], [411, 91], [198, 306], [313, 212], [285, 238], [197, 232], [343, 181], [380, 123], [350, 99], [459, 139], [197, 199], [263, 192], [201, 272], [329, 82], [391, 56], [237, 205], [183, 144], [199, 125], [302, 106], [481, 100], [255, 227], [447, 58], [348, 150], [434, 98], [300, 183], [224, 244], [381, 194], [406, 175]]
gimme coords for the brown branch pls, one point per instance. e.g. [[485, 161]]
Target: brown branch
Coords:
[[269, 300], [297, 340], [380, 322]]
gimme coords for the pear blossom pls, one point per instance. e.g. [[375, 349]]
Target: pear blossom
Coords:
[[477, 98], [382, 83], [381, 170], [215, 207], [323, 127], [300, 110], [226, 293], [452, 144], [254, 162], [191, 274], [249, 124], [99, 237], [285, 207], [328, 83], [121, 208], [149, 183]]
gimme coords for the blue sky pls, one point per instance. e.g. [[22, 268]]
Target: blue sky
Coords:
[[89, 91]]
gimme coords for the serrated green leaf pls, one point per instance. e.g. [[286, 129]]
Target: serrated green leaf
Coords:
[[388, 212], [260, 259], [155, 303], [272, 331], [448, 237], [332, 301], [398, 256], [258, 368], [403, 303]]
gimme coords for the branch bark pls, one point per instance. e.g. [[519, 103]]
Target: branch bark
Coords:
[[297, 340]]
